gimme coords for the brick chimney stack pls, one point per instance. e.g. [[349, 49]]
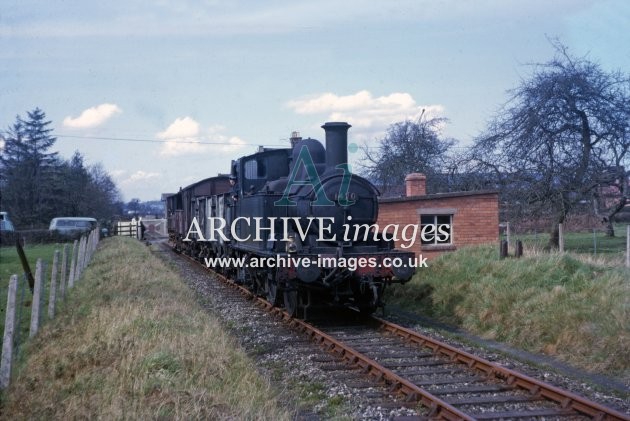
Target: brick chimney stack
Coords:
[[416, 184]]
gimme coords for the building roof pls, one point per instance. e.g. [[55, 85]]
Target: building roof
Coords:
[[438, 196]]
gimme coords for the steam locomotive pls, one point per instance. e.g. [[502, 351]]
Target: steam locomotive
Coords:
[[293, 225]]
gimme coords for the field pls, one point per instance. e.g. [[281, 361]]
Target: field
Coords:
[[10, 264], [572, 306], [131, 342], [592, 242]]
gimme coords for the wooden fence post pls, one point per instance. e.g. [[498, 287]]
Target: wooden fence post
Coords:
[[503, 249], [92, 246], [86, 256], [25, 265], [507, 235], [37, 295], [88, 253], [560, 238], [9, 330], [77, 272], [80, 258], [64, 272], [73, 265], [628, 246], [53, 286]]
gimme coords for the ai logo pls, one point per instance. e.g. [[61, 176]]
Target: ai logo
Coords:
[[306, 161]]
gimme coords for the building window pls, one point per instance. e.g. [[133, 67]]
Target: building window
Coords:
[[436, 229]]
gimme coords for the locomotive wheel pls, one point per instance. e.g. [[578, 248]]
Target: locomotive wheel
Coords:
[[368, 301], [272, 290], [220, 252], [259, 284], [240, 276], [290, 296]]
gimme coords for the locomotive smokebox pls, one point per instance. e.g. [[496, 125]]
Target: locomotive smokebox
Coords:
[[336, 143]]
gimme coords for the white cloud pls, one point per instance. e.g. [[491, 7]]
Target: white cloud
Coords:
[[140, 176], [184, 137], [228, 143], [370, 116], [92, 117], [117, 173]]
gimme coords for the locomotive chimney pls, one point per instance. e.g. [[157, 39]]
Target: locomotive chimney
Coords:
[[336, 143]]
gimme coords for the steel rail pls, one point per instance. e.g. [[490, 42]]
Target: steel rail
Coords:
[[438, 409], [566, 399]]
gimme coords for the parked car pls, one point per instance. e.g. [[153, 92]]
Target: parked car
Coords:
[[72, 225], [5, 222]]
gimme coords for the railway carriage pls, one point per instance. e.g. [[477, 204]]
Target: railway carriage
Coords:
[[197, 200]]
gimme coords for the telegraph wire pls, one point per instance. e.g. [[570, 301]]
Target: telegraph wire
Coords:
[[165, 140], [200, 142]]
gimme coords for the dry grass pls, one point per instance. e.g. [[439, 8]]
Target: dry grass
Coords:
[[132, 343], [577, 309]]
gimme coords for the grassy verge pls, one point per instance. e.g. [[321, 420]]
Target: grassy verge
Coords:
[[575, 309], [132, 343]]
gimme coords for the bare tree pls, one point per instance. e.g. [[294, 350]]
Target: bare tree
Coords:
[[555, 140], [103, 195], [408, 147], [613, 190], [85, 191]]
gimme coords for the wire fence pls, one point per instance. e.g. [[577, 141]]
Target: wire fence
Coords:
[[26, 305], [594, 241]]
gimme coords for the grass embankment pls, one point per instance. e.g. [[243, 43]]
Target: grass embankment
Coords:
[[558, 304], [132, 343]]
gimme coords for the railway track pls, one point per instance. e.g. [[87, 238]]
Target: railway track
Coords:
[[453, 383], [450, 383]]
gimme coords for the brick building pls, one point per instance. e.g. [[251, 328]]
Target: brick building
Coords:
[[448, 220]]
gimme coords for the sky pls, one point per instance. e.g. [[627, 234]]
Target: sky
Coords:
[[165, 93]]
